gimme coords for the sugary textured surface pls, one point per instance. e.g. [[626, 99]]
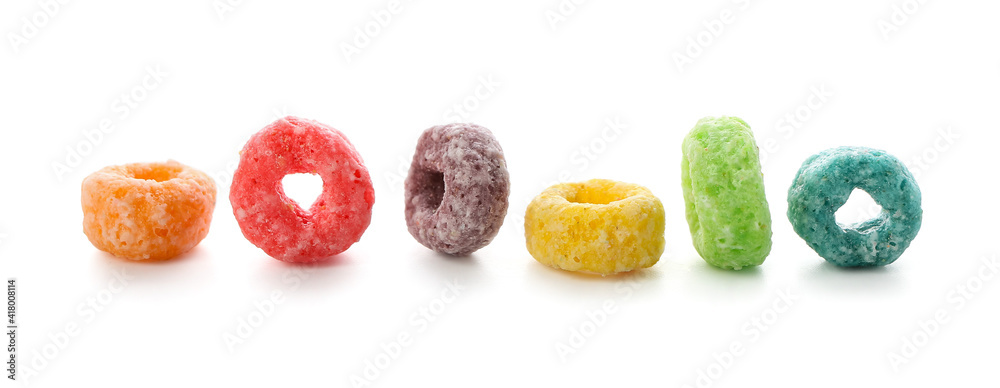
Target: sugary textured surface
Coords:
[[599, 226], [457, 189], [726, 209], [147, 211], [823, 185], [278, 225]]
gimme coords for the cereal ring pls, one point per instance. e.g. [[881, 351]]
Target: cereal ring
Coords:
[[825, 182], [599, 226], [147, 211], [275, 223], [726, 209], [457, 189]]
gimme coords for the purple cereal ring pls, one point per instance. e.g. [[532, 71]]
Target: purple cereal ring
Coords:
[[457, 189]]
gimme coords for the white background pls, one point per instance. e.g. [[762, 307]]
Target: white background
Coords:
[[922, 86]]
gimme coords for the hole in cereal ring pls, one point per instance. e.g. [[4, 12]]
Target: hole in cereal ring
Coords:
[[304, 189], [860, 207], [154, 172], [434, 189], [596, 195]]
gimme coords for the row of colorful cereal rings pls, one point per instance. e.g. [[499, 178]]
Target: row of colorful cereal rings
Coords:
[[457, 192]]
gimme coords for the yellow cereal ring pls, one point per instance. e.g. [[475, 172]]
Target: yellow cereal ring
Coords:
[[599, 226], [147, 211]]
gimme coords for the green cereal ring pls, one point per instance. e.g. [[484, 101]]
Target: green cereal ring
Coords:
[[823, 185], [726, 209]]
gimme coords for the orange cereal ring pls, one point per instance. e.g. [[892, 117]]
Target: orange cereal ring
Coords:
[[147, 211]]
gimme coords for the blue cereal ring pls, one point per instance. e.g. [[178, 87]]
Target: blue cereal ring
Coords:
[[823, 185]]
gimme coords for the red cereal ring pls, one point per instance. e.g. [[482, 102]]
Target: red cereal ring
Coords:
[[275, 223]]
